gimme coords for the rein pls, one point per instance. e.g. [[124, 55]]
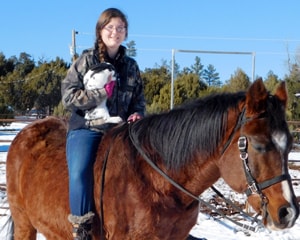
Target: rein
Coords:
[[253, 186], [181, 188]]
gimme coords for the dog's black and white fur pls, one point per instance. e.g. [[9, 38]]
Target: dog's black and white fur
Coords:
[[96, 78]]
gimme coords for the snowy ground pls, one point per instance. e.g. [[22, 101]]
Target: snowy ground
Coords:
[[208, 226]]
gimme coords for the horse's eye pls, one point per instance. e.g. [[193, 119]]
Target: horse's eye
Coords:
[[260, 148]]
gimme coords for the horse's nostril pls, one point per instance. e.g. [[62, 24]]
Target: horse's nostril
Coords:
[[287, 216], [283, 213]]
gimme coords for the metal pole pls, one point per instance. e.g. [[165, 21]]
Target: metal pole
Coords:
[[172, 80], [253, 66], [207, 52], [224, 52], [74, 54]]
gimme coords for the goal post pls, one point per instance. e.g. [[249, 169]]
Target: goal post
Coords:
[[205, 52]]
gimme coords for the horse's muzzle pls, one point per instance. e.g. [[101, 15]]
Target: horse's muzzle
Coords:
[[287, 216]]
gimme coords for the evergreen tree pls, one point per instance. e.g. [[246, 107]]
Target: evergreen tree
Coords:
[[197, 68], [154, 79], [46, 81], [25, 85], [12, 90], [271, 82], [6, 65], [25, 64], [211, 77], [187, 88], [293, 86], [161, 102], [239, 81]]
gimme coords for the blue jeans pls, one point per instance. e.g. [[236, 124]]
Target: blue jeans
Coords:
[[81, 150]]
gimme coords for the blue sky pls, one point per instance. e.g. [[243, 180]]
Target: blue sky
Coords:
[[270, 29]]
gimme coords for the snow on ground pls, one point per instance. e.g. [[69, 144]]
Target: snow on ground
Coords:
[[208, 227], [216, 229]]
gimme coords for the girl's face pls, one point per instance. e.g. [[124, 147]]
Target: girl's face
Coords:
[[114, 33]]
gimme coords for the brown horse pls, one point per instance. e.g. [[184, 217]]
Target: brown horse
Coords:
[[144, 170]]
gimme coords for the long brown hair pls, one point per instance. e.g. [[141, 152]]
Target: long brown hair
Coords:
[[103, 20]]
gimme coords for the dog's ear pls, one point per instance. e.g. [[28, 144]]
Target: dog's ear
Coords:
[[102, 66], [88, 75]]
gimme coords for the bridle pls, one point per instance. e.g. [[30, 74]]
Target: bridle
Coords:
[[135, 142], [253, 186]]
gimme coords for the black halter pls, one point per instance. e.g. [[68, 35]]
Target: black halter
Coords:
[[253, 186]]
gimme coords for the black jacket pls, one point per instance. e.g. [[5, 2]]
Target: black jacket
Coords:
[[127, 98]]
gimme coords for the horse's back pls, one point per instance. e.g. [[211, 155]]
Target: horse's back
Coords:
[[31, 149], [37, 177]]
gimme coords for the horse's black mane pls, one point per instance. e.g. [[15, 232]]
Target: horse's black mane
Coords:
[[195, 127]]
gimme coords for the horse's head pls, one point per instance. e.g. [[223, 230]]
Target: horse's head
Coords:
[[258, 156]]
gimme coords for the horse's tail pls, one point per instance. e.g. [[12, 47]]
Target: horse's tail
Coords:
[[7, 230]]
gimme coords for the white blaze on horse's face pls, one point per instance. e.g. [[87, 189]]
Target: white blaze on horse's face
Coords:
[[287, 194], [281, 140]]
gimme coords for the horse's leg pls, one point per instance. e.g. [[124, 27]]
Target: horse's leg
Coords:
[[23, 229]]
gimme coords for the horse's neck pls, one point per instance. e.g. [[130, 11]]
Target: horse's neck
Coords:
[[194, 180], [204, 176]]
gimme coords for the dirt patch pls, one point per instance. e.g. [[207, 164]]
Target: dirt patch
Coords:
[[222, 206]]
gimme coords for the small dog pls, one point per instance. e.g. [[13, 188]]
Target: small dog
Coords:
[[96, 78]]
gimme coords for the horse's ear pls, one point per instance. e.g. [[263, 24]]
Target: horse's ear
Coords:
[[256, 97], [281, 93]]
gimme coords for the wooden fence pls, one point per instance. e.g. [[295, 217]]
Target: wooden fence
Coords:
[[293, 125]]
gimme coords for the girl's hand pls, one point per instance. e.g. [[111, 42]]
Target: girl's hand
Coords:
[[133, 117]]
